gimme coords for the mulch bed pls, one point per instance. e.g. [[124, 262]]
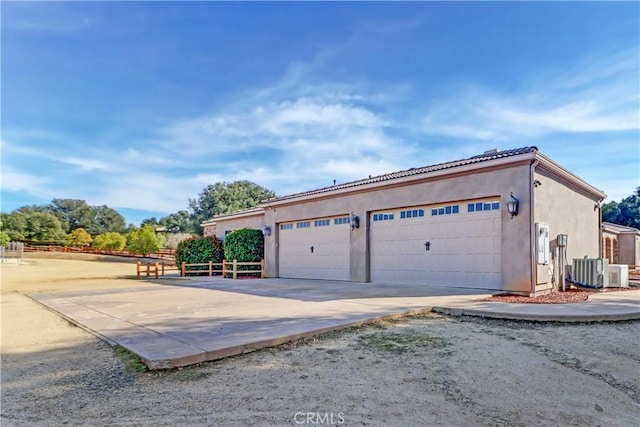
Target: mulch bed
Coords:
[[570, 296]]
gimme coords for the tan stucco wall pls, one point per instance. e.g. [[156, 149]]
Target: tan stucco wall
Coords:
[[629, 249], [499, 183], [569, 212], [254, 221]]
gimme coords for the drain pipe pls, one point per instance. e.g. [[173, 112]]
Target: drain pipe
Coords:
[[532, 227]]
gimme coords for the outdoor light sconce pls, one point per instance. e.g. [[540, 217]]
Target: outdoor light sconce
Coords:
[[266, 230], [354, 220], [512, 206], [427, 246]]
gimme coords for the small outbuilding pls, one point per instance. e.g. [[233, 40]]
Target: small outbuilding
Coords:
[[489, 221], [620, 244]]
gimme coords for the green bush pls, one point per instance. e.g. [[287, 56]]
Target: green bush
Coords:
[[111, 240], [79, 238], [198, 250], [143, 241], [245, 245]]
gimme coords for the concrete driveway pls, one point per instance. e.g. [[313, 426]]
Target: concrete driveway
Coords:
[[177, 322]]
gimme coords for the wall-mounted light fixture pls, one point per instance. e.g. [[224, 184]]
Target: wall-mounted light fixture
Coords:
[[354, 220], [512, 206], [266, 230]]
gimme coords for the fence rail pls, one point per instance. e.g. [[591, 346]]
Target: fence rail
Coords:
[[155, 269], [165, 254], [223, 268]]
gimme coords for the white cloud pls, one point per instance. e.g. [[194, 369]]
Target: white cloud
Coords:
[[18, 181], [593, 99]]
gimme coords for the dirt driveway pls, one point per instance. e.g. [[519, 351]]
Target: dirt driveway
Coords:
[[427, 370]]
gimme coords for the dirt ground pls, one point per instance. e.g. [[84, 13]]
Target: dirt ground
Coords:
[[419, 371]]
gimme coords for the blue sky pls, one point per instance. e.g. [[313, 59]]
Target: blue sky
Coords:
[[140, 105]]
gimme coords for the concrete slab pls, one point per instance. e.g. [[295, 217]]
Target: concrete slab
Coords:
[[600, 307], [182, 322]]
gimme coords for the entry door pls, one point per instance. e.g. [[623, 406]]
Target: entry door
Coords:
[[456, 245], [315, 249]]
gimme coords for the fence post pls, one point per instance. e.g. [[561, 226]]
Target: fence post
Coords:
[[163, 268], [138, 269], [148, 265], [262, 268], [235, 268], [210, 268], [224, 268], [183, 269], [157, 265]]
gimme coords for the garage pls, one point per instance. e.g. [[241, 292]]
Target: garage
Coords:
[[454, 244], [315, 249]]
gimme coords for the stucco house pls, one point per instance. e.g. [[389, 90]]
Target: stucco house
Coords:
[[488, 222], [620, 244]]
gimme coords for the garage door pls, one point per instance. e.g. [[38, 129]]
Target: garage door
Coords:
[[457, 244], [315, 249]]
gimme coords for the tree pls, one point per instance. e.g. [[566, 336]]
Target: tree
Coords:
[[627, 212], [4, 236], [72, 213], [42, 227], [244, 245], [111, 240], [143, 240], [106, 220], [79, 238], [179, 222], [224, 197]]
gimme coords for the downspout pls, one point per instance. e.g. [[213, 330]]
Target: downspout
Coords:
[[601, 249], [532, 227]]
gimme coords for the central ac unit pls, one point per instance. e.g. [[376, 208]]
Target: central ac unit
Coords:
[[618, 275], [592, 272]]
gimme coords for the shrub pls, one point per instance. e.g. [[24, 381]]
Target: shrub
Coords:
[[198, 250], [245, 245], [143, 240], [79, 237], [4, 238], [112, 240]]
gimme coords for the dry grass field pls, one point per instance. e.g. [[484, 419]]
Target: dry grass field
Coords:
[[419, 371]]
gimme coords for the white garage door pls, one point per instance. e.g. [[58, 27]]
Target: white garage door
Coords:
[[457, 244], [315, 249]]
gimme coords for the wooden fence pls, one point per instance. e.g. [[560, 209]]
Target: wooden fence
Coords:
[[164, 254], [223, 268], [154, 269]]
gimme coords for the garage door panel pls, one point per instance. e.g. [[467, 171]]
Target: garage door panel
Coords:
[[329, 258], [465, 247]]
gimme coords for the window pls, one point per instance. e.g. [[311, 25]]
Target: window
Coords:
[[305, 224], [382, 217], [321, 222], [286, 226], [447, 210], [415, 213], [343, 220], [483, 206]]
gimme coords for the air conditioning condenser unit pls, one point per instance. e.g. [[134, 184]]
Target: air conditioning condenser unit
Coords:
[[618, 275]]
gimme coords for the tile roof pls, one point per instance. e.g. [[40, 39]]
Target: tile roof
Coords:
[[486, 156]]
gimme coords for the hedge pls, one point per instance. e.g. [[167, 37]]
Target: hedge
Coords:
[[198, 250], [244, 245]]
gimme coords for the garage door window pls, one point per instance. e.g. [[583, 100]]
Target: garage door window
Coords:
[[446, 210], [343, 220], [305, 224], [483, 206], [286, 226], [415, 213], [383, 217], [321, 222]]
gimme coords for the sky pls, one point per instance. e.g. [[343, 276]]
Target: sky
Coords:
[[140, 105]]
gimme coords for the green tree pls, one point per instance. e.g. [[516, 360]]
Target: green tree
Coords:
[[111, 240], [179, 222], [224, 197], [627, 212], [74, 213], [106, 220], [14, 224], [79, 238], [43, 227], [143, 240], [4, 238]]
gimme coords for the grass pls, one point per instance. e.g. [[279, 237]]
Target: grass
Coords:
[[132, 362]]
